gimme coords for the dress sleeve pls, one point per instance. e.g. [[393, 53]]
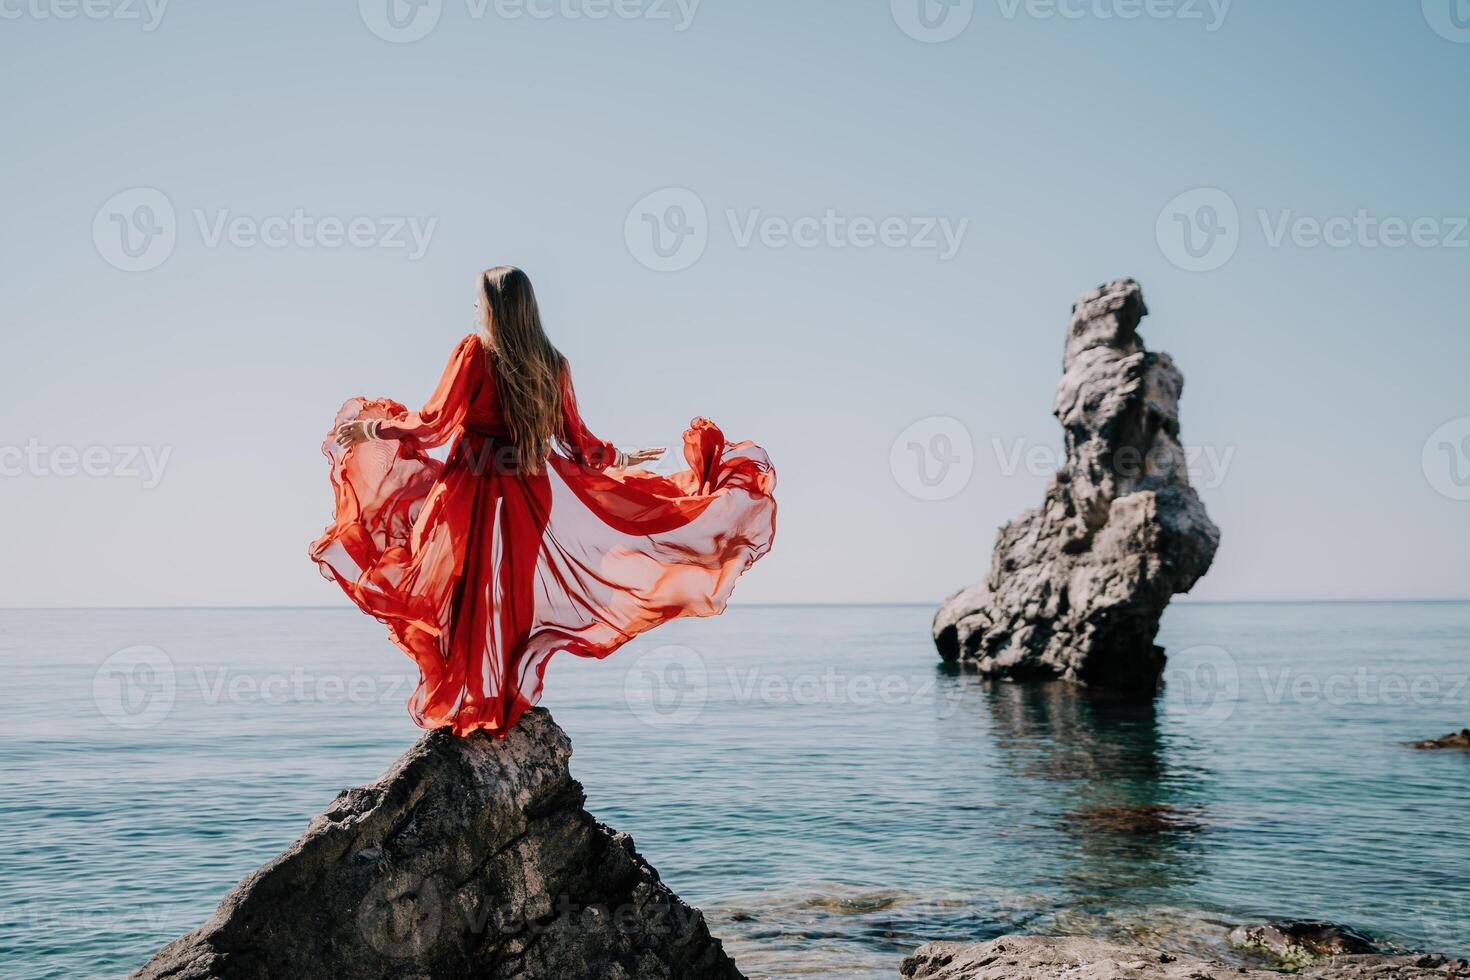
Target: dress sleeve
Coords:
[[444, 412], [590, 450]]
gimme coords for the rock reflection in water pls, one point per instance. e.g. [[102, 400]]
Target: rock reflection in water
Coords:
[[1118, 806]]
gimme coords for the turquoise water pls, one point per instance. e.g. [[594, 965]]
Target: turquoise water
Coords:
[[808, 775]]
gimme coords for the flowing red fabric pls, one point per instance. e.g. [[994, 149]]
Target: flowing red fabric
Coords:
[[481, 574]]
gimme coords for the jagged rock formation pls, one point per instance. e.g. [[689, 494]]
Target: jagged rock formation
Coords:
[[1077, 958], [470, 858], [1077, 586]]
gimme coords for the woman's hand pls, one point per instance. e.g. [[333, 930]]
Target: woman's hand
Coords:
[[637, 457], [351, 433]]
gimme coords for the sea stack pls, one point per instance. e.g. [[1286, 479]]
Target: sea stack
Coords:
[[1077, 586], [470, 857]]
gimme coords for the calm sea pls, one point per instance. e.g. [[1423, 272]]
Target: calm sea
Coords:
[[809, 776]]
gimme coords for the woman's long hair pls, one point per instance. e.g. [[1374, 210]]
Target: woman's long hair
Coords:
[[528, 366]]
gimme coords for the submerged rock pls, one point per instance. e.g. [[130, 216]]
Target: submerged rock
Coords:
[[1079, 958], [1454, 740], [1293, 944], [1077, 586], [1137, 818], [469, 858]]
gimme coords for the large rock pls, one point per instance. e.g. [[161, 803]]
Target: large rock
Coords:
[[1078, 958], [1077, 586], [470, 858]]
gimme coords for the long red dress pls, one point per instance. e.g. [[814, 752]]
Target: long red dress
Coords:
[[481, 573]]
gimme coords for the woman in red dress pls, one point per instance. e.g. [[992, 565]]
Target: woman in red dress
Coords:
[[534, 535]]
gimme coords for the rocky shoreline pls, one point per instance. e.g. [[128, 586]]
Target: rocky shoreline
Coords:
[[474, 858], [1083, 958]]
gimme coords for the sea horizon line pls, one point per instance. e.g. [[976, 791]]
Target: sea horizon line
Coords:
[[933, 604]]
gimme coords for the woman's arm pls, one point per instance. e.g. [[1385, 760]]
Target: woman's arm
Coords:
[[592, 451], [435, 423]]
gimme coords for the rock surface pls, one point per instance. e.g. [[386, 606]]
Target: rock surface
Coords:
[[1293, 943], [469, 858], [1454, 740], [1077, 586], [1077, 958]]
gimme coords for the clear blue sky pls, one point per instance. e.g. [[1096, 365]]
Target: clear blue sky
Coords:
[[1317, 372]]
